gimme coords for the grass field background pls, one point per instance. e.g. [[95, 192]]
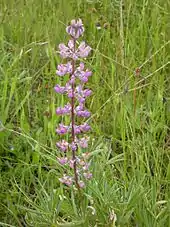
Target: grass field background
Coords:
[[130, 137]]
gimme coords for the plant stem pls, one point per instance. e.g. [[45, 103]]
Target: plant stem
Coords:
[[73, 122]]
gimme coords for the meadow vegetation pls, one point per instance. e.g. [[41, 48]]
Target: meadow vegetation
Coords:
[[130, 105]]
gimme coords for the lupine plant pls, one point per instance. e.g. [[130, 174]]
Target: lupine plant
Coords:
[[76, 91]]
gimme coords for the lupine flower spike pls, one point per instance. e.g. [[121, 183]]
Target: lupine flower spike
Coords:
[[76, 92]]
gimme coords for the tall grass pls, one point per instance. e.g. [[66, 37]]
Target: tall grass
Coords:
[[130, 152]]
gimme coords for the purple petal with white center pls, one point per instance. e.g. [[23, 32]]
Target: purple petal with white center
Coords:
[[63, 69], [62, 145], [87, 92], [63, 160], [79, 107], [83, 113], [85, 127], [59, 89], [71, 163], [64, 51], [77, 129], [64, 110], [62, 129], [83, 50], [83, 142], [67, 180]]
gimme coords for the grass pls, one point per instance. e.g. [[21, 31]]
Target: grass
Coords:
[[131, 125]]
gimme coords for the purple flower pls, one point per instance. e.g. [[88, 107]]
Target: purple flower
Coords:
[[59, 89], [83, 50], [75, 29], [59, 111], [84, 76], [81, 184], [85, 127], [70, 93], [72, 79], [80, 99], [73, 146], [63, 160], [86, 167], [62, 129], [69, 52], [82, 94], [63, 69], [62, 145], [79, 107], [64, 50], [83, 113], [67, 180], [71, 163], [64, 110], [87, 92], [81, 74], [83, 142], [77, 129], [81, 67], [81, 128], [69, 90], [88, 175]]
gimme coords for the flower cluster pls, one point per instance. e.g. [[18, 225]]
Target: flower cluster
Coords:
[[76, 92]]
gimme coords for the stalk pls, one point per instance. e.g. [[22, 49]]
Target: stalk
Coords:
[[73, 122]]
